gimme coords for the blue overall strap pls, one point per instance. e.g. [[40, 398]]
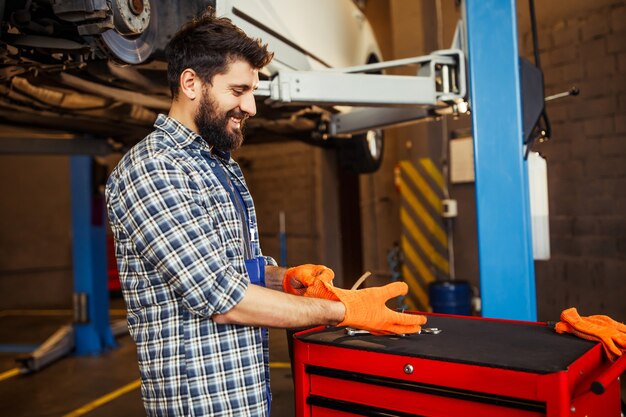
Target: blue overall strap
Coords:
[[255, 266]]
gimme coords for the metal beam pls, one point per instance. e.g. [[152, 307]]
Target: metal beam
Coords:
[[365, 118], [439, 81], [507, 277], [39, 146]]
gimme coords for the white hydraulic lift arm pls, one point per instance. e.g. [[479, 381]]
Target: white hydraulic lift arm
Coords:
[[378, 100]]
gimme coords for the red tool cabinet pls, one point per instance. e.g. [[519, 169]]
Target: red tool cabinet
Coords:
[[474, 367]]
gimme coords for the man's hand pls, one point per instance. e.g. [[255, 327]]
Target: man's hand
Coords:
[[299, 278], [366, 309]]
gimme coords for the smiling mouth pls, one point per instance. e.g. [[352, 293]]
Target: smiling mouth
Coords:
[[236, 121]]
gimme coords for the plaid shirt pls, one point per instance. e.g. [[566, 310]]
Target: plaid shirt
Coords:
[[179, 249]]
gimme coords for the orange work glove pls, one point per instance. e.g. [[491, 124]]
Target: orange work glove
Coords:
[[603, 329], [366, 309], [298, 278]]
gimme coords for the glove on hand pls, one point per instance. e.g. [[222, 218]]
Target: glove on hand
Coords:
[[298, 278], [366, 309], [603, 329]]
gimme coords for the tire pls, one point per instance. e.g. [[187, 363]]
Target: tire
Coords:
[[363, 153]]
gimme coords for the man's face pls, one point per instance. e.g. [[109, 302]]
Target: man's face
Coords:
[[225, 106]]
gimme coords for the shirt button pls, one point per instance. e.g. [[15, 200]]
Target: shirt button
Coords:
[[213, 164]]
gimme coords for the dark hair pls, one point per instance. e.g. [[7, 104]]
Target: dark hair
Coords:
[[208, 44]]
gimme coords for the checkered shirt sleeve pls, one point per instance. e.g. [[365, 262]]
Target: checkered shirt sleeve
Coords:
[[164, 218]]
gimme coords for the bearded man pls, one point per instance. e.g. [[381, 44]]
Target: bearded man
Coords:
[[187, 243]]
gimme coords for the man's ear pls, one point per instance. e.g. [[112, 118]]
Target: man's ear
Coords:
[[190, 84]]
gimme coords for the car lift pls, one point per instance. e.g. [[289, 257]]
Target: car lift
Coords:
[[501, 115]]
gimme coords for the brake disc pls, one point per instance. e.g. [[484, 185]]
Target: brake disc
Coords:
[[136, 28]]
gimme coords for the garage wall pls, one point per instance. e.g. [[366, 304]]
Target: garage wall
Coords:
[[35, 237], [584, 44], [300, 180]]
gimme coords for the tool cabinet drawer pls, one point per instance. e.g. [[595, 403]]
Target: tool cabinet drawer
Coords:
[[355, 393], [474, 367]]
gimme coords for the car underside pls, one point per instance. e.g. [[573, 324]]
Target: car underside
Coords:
[[96, 69]]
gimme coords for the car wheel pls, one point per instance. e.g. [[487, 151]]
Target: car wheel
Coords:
[[363, 153]]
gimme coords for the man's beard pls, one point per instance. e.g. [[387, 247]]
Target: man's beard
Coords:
[[213, 127]]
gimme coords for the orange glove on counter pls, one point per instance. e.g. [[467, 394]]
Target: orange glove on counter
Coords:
[[366, 309], [603, 329], [298, 278]]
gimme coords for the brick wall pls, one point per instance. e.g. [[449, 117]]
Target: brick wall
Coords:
[[300, 180], [279, 177], [586, 47], [35, 237]]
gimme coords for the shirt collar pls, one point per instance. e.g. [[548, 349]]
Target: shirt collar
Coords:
[[183, 136], [180, 134]]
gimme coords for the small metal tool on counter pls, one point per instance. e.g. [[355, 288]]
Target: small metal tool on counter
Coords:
[[357, 332]]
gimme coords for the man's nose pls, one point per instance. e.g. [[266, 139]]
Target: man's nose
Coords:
[[248, 105]]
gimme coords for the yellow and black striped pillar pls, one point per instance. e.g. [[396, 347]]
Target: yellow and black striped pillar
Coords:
[[424, 240]]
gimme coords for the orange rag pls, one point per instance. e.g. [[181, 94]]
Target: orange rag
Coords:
[[298, 278], [599, 328], [366, 309]]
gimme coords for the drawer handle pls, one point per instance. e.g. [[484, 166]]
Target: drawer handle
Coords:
[[408, 369]]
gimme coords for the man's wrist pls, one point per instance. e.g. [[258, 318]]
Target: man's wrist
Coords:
[[274, 277], [337, 312]]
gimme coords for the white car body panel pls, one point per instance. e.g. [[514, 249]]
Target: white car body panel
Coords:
[[334, 31]]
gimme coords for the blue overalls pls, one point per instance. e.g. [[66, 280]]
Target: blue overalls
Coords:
[[255, 266]]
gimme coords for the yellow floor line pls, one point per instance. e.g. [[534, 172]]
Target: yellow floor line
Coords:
[[280, 365], [9, 374], [127, 388], [105, 399], [117, 311]]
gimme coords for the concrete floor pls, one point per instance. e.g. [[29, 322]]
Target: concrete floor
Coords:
[[67, 385]]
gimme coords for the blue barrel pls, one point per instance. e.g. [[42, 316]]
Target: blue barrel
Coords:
[[451, 297]]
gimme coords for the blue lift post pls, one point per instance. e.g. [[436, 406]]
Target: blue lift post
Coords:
[[92, 329], [507, 276]]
